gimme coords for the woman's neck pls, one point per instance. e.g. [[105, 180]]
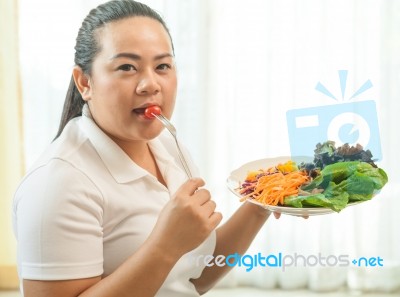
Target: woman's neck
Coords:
[[140, 153]]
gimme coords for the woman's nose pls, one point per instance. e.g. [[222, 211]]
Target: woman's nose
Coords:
[[148, 84]]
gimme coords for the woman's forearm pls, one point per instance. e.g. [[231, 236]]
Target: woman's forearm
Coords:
[[235, 236], [140, 275]]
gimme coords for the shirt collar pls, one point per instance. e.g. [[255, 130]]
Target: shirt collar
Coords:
[[120, 165], [172, 173]]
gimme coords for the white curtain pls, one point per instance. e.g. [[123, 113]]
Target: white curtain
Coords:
[[241, 66]]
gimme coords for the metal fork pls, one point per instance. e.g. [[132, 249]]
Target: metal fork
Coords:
[[167, 124]]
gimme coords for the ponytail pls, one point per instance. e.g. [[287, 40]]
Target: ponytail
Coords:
[[72, 106]]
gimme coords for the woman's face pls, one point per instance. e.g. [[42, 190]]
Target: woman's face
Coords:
[[134, 68]]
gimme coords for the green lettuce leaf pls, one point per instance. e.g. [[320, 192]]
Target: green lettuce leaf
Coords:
[[341, 183], [336, 172], [333, 197]]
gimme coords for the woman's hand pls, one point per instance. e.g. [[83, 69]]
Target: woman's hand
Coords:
[[187, 219]]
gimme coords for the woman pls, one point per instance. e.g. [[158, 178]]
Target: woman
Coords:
[[107, 209]]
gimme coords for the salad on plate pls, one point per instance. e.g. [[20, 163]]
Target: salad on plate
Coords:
[[335, 178]]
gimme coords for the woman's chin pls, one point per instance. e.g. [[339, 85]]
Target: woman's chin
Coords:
[[150, 134]]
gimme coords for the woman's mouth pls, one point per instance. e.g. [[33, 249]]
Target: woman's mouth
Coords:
[[139, 111], [148, 112]]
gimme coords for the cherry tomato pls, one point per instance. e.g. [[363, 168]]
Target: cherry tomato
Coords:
[[151, 111]]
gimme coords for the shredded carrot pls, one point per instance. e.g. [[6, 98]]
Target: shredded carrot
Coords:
[[273, 188]]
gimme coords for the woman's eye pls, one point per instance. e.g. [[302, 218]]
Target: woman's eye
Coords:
[[127, 67], [164, 67]]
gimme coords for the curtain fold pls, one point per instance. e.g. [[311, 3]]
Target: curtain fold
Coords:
[[11, 158]]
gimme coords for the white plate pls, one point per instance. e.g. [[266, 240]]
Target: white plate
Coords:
[[237, 177]]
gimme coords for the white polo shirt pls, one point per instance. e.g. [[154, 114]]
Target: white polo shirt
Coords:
[[85, 207]]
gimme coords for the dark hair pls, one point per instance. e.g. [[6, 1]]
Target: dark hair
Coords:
[[87, 47]]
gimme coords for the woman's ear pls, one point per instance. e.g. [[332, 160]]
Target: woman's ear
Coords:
[[82, 83]]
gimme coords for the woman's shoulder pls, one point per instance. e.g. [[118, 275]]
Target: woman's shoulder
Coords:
[[72, 150], [57, 176], [66, 158], [71, 141]]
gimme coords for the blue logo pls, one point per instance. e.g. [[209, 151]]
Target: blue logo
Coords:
[[352, 122]]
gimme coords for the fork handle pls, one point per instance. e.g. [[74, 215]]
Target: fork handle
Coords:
[[183, 161]]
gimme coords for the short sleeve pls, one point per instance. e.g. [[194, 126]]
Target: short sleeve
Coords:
[[58, 214]]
